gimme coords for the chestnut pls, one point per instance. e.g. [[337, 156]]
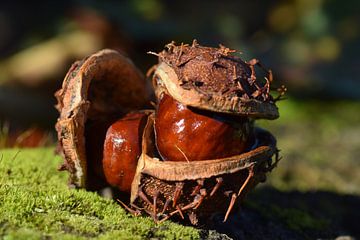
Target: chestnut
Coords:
[[188, 134], [122, 148], [207, 101]]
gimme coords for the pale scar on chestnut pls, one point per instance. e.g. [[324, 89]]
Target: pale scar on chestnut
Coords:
[[197, 153]]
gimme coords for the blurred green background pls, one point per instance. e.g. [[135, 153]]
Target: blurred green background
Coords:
[[312, 46]]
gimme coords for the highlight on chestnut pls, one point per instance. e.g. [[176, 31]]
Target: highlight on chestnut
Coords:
[[122, 149]]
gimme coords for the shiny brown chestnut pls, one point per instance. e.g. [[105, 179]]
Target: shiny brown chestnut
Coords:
[[122, 148], [186, 134]]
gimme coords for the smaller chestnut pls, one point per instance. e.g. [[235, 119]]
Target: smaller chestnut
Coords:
[[188, 134], [122, 149]]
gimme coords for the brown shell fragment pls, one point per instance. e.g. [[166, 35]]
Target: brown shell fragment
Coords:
[[214, 79], [195, 190], [96, 89]]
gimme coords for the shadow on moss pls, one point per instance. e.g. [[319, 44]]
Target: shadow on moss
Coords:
[[271, 214]]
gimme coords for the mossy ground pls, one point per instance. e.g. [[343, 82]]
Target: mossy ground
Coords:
[[36, 203]]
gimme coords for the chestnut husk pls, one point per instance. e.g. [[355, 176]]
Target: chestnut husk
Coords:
[[196, 190], [106, 85], [214, 79], [96, 90]]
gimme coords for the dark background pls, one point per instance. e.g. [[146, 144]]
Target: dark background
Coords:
[[312, 46]]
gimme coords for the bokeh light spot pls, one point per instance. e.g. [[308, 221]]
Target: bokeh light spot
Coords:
[[296, 51], [303, 6], [229, 26], [314, 22], [327, 48], [149, 9], [282, 18]]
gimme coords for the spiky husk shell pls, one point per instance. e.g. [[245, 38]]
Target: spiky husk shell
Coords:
[[214, 79]]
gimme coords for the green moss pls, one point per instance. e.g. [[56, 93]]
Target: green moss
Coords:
[[22, 233], [35, 203]]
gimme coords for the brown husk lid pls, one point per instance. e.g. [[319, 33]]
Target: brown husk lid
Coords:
[[214, 79]]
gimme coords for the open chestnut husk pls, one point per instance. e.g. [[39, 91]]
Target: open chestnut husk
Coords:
[[197, 189], [95, 92], [186, 176]]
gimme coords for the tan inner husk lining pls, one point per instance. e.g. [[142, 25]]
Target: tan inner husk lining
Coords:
[[80, 100]]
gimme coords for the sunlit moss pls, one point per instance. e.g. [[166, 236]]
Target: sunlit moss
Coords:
[[36, 202]]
